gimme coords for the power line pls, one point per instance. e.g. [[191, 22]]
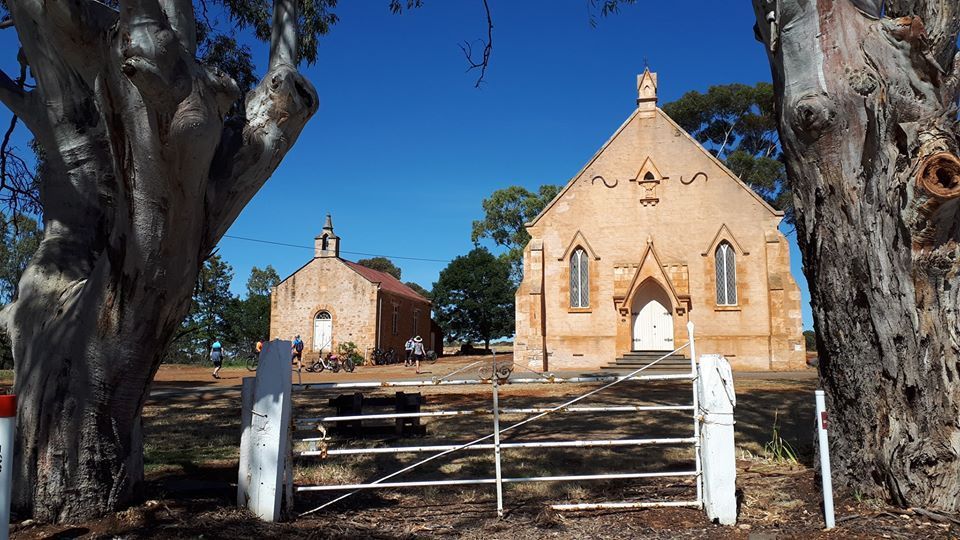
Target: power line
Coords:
[[348, 252]]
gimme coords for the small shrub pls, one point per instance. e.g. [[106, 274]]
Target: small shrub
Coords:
[[778, 449], [348, 349]]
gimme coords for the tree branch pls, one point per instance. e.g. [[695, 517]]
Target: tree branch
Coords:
[[67, 32], [155, 59], [14, 97], [484, 60], [283, 36], [276, 111], [182, 21]]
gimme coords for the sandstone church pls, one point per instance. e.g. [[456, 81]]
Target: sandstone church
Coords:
[[652, 233], [330, 301]]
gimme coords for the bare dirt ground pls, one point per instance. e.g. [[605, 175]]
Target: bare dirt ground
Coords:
[[193, 436]]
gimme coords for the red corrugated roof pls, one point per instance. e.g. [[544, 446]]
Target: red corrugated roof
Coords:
[[386, 281]]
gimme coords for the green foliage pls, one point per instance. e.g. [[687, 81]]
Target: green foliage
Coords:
[[382, 264], [420, 290], [249, 319], [737, 123], [210, 311], [216, 314], [348, 349], [506, 212], [474, 298], [314, 20], [810, 339], [20, 239], [262, 281]]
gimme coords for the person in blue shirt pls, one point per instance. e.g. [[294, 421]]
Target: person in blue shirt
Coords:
[[297, 352], [216, 355]]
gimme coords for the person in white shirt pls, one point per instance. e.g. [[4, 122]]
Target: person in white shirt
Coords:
[[418, 352]]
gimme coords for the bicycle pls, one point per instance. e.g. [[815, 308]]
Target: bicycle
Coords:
[[252, 360], [333, 363], [430, 357], [380, 357]]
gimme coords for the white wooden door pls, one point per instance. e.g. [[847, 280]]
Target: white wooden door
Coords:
[[322, 331], [653, 328]]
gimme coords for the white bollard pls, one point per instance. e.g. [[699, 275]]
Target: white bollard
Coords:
[[8, 427], [719, 475], [825, 473], [264, 444]]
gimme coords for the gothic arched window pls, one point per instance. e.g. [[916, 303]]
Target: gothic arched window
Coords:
[[579, 279], [726, 263]]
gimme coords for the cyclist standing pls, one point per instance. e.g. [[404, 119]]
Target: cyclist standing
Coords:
[[216, 356], [297, 352]]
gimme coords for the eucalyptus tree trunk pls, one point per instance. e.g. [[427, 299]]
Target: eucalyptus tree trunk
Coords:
[[866, 97], [143, 175]]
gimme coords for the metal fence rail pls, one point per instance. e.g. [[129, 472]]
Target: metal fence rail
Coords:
[[496, 411], [473, 412], [539, 444], [473, 481]]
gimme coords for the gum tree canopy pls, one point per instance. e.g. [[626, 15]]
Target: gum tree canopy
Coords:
[[866, 95], [148, 158]]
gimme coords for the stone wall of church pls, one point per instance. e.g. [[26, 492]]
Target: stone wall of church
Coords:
[[325, 284]]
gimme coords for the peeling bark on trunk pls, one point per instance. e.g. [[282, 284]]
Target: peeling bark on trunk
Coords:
[[866, 101], [143, 178]]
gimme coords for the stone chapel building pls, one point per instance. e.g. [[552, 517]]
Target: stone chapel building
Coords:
[[330, 300], [652, 233]]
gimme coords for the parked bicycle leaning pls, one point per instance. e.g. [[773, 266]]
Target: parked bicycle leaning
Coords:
[[332, 362]]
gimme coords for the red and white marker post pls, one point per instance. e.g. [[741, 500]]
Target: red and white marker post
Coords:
[[8, 425]]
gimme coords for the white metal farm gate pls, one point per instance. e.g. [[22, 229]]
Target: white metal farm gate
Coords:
[[494, 378]]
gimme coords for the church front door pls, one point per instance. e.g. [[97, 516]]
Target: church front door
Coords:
[[652, 320], [322, 331]]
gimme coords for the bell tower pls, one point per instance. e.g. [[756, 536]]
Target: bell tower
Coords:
[[647, 93], [327, 244]]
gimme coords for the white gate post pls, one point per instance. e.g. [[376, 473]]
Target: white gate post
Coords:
[[719, 476], [826, 476], [264, 443], [496, 441]]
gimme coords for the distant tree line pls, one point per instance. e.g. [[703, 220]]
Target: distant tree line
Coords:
[[217, 314]]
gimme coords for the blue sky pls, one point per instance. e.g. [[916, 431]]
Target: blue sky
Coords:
[[404, 148]]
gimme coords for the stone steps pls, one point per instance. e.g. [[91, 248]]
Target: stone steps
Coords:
[[632, 360]]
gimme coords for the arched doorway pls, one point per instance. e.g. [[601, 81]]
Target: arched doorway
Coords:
[[322, 331], [652, 318]]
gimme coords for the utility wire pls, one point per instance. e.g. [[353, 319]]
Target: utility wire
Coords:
[[347, 252]]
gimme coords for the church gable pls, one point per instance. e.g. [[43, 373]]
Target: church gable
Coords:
[[653, 161]]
